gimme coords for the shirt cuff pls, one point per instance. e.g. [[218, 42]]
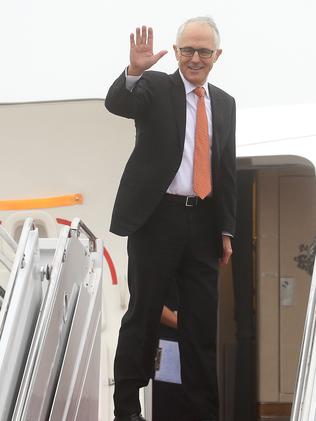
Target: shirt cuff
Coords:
[[131, 81], [227, 234]]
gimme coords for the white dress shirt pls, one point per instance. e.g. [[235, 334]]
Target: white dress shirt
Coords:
[[182, 184]]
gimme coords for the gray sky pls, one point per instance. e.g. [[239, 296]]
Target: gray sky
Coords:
[[72, 49]]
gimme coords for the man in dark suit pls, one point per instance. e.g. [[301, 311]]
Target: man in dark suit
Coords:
[[176, 203]]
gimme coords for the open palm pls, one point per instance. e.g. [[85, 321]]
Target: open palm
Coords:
[[141, 51]]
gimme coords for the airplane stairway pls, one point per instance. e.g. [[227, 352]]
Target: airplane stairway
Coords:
[[50, 327], [304, 403]]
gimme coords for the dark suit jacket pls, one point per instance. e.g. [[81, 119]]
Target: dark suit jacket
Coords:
[[158, 106]]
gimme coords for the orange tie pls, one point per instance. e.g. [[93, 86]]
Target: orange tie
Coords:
[[202, 183]]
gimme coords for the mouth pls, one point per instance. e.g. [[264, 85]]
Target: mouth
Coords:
[[195, 69]]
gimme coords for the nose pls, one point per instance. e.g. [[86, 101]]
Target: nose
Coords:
[[195, 57]]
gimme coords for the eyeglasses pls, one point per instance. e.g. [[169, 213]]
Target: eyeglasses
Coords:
[[202, 52]]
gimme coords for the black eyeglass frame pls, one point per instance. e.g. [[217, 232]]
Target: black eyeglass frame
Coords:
[[190, 51]]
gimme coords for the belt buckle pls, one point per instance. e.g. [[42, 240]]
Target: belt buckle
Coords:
[[191, 201]]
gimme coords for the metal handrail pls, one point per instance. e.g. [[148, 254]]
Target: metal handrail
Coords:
[[6, 262], [78, 226], [8, 239], [306, 369]]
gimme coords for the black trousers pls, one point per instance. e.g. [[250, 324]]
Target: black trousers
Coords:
[[177, 242], [169, 402]]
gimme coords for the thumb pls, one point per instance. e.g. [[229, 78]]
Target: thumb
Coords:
[[159, 55]]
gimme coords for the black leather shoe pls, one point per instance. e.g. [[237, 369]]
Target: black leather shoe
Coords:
[[133, 417]]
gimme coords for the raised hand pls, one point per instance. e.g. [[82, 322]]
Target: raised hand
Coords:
[[141, 51]]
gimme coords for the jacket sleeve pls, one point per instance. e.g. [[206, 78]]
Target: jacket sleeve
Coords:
[[228, 186], [125, 103]]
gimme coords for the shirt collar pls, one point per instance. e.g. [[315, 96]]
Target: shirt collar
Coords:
[[189, 87]]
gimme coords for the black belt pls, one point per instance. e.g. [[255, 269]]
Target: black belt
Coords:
[[188, 201]]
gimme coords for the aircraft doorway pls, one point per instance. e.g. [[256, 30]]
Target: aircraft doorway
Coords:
[[264, 292]]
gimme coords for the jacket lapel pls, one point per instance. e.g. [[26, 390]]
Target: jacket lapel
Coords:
[[216, 123], [179, 105]]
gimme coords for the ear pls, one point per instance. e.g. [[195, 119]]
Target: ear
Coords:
[[176, 51], [216, 55]]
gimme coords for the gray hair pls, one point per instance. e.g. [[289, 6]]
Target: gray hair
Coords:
[[201, 19]]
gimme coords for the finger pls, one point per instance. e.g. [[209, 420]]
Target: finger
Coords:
[[225, 259], [144, 34], [138, 39], [150, 38], [159, 55], [132, 40], [226, 256]]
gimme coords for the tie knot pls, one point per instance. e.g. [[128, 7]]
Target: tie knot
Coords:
[[200, 91]]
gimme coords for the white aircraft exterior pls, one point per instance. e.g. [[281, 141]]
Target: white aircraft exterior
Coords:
[[57, 142], [69, 147]]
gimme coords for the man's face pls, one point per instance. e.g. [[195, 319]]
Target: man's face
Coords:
[[196, 69]]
